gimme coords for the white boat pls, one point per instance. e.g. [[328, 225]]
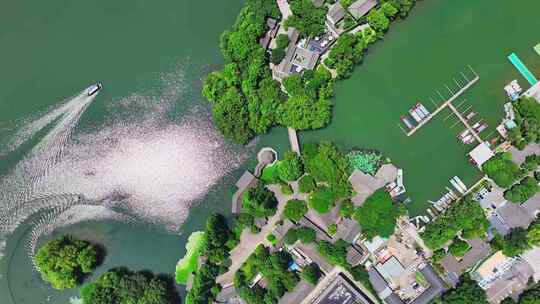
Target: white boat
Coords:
[[460, 183], [476, 125], [420, 113], [470, 115], [464, 133], [457, 186], [481, 128], [415, 115], [93, 89], [422, 108]]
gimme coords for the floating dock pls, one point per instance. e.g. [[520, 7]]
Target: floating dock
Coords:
[[514, 59], [448, 103]]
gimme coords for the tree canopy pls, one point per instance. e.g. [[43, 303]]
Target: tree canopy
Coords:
[[466, 292], [243, 95], [290, 168], [502, 170], [123, 286], [64, 261], [466, 215], [377, 216], [295, 210], [346, 53], [306, 18], [519, 193], [259, 201], [515, 242], [527, 112], [311, 273]]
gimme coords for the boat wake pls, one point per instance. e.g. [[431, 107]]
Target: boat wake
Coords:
[[148, 167]]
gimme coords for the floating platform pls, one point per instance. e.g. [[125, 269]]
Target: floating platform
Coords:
[[520, 66]]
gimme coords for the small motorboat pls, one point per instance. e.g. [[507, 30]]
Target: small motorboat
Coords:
[[93, 89]]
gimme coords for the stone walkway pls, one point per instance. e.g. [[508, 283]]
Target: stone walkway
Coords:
[[249, 241], [284, 8]]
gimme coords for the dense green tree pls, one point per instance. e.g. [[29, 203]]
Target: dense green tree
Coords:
[[531, 163], [327, 165], [123, 286], [259, 201], [466, 292], [528, 120], [277, 55], [282, 41], [274, 268], [291, 236], [290, 168], [287, 189], [533, 234], [346, 53], [389, 9], [322, 200], [295, 210], [519, 193], [346, 209], [515, 242], [530, 296], [306, 184], [311, 273], [466, 215], [336, 254], [64, 261], [306, 18], [306, 235], [377, 216], [303, 113], [378, 20], [502, 170]]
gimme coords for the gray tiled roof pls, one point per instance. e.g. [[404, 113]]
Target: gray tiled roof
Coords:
[[361, 7], [336, 13]]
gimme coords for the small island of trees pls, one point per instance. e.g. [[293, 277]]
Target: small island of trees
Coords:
[[65, 261]]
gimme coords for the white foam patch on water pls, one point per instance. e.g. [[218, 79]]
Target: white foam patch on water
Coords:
[[161, 168]]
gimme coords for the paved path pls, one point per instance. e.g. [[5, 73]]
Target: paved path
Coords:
[[249, 241], [284, 8], [293, 139]]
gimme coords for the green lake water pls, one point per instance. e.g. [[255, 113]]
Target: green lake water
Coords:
[[53, 50]]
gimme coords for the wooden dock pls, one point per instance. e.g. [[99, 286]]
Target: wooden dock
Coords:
[[447, 103]]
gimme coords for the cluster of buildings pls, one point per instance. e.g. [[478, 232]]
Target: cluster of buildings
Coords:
[[303, 54]]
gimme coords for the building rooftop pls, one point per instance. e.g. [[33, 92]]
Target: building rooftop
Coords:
[[360, 8], [515, 215], [300, 292], [342, 291], [391, 270], [336, 13], [479, 250], [305, 58], [512, 283], [364, 185], [481, 154]]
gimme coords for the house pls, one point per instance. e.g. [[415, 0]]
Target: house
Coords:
[[360, 8], [245, 182], [479, 250], [285, 67], [389, 296], [336, 13], [272, 26], [501, 276], [304, 59]]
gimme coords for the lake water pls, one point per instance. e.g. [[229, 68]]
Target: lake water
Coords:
[[147, 139]]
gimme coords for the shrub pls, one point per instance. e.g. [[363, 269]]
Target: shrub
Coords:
[[306, 184], [64, 261], [277, 55], [332, 229], [282, 41], [346, 209], [271, 238], [295, 210], [459, 248]]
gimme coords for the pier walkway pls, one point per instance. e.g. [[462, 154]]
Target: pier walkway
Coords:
[[466, 123], [448, 102], [293, 139]]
